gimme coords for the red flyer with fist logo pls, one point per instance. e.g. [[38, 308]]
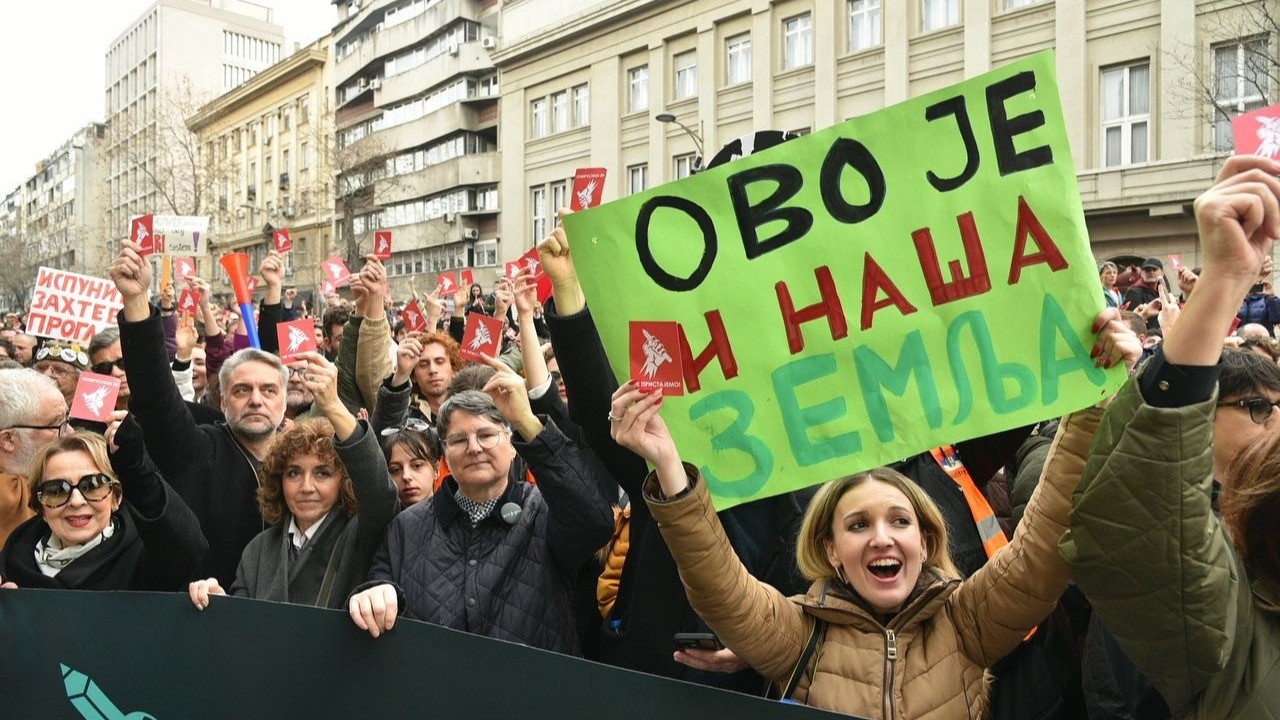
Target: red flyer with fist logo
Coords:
[[483, 337], [656, 362], [414, 319], [140, 231], [187, 302], [447, 283], [95, 397], [336, 272], [382, 245], [282, 240], [588, 188], [183, 268], [296, 337]]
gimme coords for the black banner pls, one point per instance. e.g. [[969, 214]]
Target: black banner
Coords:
[[133, 656]]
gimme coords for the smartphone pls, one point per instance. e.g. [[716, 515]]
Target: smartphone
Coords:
[[705, 641]]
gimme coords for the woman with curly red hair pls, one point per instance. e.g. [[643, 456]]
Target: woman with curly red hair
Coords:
[[325, 490]]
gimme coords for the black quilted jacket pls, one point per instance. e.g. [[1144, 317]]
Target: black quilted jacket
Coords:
[[507, 581]]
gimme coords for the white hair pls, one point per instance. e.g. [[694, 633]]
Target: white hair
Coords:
[[20, 393]]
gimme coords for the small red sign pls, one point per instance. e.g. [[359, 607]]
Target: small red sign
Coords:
[[296, 337], [513, 267], [141, 232], [336, 272], [482, 337], [382, 245], [187, 302], [468, 278], [282, 240], [1176, 261], [533, 262], [588, 188], [183, 268], [414, 319], [447, 283], [253, 284], [1258, 132], [656, 363], [95, 397], [328, 288]]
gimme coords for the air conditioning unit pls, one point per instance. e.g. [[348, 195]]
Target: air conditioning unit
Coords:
[[470, 233], [375, 83], [450, 217], [489, 43], [453, 48], [267, 140]]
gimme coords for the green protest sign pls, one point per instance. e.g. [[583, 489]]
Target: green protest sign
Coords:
[[910, 278]]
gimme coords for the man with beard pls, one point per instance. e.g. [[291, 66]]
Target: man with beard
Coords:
[[32, 414], [213, 467]]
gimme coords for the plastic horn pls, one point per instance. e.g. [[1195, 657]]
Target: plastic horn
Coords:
[[237, 267]]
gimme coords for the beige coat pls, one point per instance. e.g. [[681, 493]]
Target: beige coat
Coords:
[[14, 495], [929, 660]]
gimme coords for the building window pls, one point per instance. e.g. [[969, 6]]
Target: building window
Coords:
[[538, 118], [686, 78], [797, 42], [684, 166], [939, 14], [581, 106], [637, 178], [304, 156], [559, 196], [638, 80], [738, 59], [1126, 114], [1011, 4], [559, 112], [538, 203], [1239, 85], [864, 24], [485, 253]]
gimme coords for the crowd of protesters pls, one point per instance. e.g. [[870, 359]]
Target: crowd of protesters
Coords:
[[1120, 562]]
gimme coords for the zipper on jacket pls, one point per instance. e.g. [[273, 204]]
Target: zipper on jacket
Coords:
[[890, 661]]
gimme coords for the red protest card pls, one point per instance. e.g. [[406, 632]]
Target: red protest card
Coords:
[[1258, 132], [1175, 261], [588, 188], [336, 272], [382, 245], [413, 317], [296, 337], [482, 337], [447, 283], [282, 240], [95, 397], [656, 363], [328, 288], [1235, 323], [468, 278], [532, 261], [187, 302], [513, 267], [141, 232], [253, 284], [183, 268]]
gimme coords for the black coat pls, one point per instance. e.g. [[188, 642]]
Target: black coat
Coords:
[[511, 581], [205, 464], [156, 544]]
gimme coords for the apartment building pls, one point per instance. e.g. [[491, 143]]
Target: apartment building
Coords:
[[176, 56], [266, 147], [54, 218], [1148, 88], [416, 102]]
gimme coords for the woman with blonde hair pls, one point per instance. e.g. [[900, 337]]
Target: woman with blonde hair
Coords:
[[888, 628]]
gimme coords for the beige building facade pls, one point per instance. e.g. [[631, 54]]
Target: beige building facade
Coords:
[[1147, 90], [416, 103], [266, 146]]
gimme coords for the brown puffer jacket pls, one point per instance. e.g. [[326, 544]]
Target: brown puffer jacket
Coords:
[[929, 660]]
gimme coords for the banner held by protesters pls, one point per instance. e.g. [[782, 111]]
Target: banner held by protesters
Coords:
[[916, 276], [70, 306]]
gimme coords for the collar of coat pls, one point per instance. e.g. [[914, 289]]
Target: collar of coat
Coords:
[[836, 603], [447, 509]]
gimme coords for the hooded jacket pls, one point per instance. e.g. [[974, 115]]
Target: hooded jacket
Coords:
[[1158, 566], [929, 659]]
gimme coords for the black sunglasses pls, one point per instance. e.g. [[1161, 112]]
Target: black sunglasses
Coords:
[[56, 493], [104, 368], [1259, 407], [413, 424]]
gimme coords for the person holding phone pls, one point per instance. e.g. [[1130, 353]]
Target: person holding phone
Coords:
[[1148, 290]]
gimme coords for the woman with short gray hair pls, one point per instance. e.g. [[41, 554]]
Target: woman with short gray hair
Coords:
[[486, 554]]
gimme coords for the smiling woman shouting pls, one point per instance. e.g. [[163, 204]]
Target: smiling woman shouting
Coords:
[[888, 628]]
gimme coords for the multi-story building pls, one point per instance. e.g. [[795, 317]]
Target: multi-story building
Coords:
[[1147, 88], [54, 218], [175, 57], [266, 148], [416, 144]]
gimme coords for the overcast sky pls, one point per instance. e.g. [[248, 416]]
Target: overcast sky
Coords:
[[54, 53]]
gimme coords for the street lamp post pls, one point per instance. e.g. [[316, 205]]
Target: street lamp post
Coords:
[[697, 141]]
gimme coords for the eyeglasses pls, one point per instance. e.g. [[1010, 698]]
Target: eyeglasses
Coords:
[[104, 368], [1259, 407], [486, 439], [556, 376], [413, 424], [61, 424], [56, 493]]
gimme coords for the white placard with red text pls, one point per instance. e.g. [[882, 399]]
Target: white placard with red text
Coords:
[[70, 306]]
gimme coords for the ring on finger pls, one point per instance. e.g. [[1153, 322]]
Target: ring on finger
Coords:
[[613, 419]]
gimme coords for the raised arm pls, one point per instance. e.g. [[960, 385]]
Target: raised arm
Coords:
[[1144, 543], [373, 349], [396, 392]]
